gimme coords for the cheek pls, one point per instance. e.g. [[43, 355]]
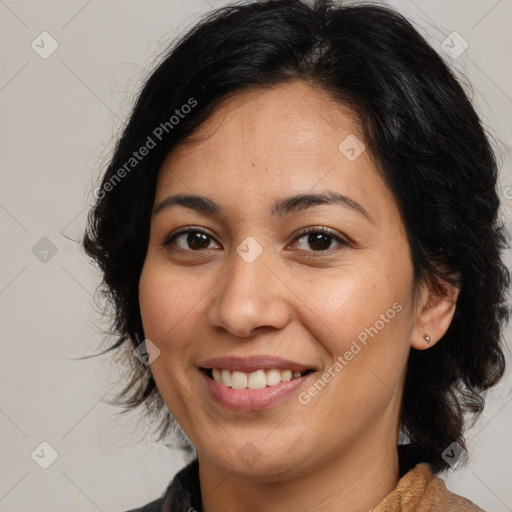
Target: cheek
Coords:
[[364, 317], [167, 307], [348, 303], [363, 325], [166, 303], [156, 305]]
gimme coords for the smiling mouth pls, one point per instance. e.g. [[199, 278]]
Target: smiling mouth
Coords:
[[258, 379]]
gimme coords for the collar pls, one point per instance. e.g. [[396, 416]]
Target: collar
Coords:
[[419, 490]]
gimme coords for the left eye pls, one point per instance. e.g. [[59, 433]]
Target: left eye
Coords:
[[319, 240]]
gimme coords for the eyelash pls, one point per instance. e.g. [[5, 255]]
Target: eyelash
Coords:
[[306, 231]]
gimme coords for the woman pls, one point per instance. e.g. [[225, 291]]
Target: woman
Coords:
[[299, 234]]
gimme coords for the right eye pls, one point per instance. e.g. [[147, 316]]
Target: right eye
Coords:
[[190, 240]]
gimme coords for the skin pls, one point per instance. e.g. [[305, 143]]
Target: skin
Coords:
[[339, 450]]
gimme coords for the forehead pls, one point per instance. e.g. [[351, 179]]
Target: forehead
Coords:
[[294, 112], [291, 137]]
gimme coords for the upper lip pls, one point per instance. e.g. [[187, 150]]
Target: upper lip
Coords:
[[253, 363]]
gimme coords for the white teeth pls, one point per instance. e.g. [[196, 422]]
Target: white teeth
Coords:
[[286, 375], [225, 378], [238, 380], [258, 379], [273, 377]]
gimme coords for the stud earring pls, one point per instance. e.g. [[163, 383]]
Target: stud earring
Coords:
[[427, 337]]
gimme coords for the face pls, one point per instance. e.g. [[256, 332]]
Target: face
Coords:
[[300, 307]]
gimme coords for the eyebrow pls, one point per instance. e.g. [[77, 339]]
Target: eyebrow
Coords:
[[280, 208]]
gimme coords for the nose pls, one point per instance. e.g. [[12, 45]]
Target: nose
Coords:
[[249, 298]]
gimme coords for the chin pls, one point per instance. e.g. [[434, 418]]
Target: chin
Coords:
[[265, 463]]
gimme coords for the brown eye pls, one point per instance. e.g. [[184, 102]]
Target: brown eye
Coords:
[[319, 240], [191, 240]]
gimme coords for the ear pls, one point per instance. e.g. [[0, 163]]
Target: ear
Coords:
[[434, 312]]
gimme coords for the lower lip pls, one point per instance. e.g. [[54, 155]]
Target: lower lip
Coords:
[[252, 399]]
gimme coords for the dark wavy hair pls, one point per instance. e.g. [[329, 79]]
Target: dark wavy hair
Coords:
[[422, 133]]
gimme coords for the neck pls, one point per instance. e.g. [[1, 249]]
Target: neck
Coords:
[[357, 481]]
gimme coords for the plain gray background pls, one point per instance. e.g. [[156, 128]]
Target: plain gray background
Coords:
[[59, 116]]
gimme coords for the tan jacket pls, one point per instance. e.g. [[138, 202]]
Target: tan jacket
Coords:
[[421, 491], [417, 491]]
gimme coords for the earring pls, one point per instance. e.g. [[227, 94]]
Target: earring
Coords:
[[427, 337]]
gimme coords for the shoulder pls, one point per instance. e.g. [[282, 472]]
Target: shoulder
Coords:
[[443, 499], [420, 489]]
